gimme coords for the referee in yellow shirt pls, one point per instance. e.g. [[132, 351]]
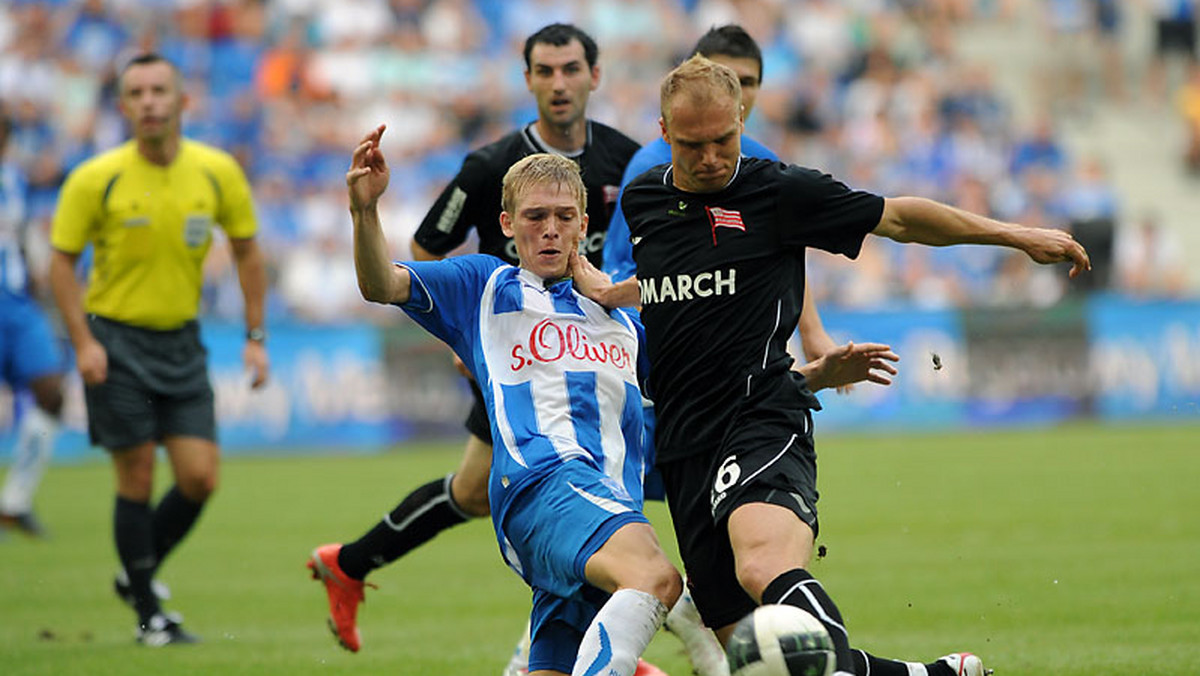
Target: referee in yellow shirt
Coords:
[[148, 208]]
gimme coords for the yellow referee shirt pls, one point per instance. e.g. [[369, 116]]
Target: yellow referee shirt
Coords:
[[150, 227]]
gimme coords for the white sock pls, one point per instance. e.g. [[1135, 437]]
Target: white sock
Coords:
[[519, 662], [701, 644], [619, 634], [31, 453]]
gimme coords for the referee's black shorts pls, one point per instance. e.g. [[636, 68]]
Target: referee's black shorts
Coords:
[[157, 386], [767, 456]]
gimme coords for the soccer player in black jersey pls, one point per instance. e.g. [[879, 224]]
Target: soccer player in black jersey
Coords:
[[719, 243], [561, 71]]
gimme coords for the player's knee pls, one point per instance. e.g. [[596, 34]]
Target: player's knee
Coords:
[[471, 497], [48, 395], [660, 579], [754, 576], [199, 487], [667, 584]]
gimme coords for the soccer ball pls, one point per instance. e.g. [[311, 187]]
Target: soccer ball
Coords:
[[779, 640]]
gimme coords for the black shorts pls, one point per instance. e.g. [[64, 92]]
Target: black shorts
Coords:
[[477, 422], [766, 457], [157, 386], [1175, 37]]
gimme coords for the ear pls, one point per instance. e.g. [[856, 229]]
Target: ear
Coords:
[[506, 224], [662, 126], [583, 223], [595, 77], [528, 83]]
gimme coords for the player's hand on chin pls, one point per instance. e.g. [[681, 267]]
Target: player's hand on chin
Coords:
[[589, 280]]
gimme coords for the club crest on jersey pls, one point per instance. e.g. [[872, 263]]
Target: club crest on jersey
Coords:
[[724, 218], [549, 341]]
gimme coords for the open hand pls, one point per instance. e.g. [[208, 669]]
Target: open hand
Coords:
[[848, 364], [368, 176]]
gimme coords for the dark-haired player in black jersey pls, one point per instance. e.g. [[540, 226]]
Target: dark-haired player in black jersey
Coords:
[[561, 71], [719, 243]]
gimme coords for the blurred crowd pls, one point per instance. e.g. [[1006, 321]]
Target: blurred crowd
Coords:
[[873, 91]]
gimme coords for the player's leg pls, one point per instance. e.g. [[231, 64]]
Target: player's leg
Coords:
[[36, 363], [644, 585], [700, 644], [157, 389], [36, 433], [771, 523], [433, 507], [423, 513], [133, 524], [187, 425], [195, 465]]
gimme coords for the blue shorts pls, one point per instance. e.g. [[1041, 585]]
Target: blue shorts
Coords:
[[28, 348], [551, 529]]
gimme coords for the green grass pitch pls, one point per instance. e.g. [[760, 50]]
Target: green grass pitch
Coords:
[[1072, 551]]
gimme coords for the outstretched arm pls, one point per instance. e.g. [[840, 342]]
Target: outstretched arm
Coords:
[[379, 280], [924, 221]]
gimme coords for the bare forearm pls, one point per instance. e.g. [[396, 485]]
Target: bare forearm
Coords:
[[625, 293], [814, 339], [68, 296], [379, 280], [252, 275], [924, 221]]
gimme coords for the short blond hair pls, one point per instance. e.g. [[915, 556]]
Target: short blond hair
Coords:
[[538, 169], [701, 79]]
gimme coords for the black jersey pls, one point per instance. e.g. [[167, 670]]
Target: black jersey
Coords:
[[472, 200], [722, 283]]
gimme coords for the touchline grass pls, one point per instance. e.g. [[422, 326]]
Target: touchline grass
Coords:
[[1070, 551]]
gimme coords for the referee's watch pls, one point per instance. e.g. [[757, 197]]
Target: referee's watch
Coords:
[[257, 334]]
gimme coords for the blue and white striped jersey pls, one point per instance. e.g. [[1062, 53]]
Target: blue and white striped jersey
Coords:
[[559, 373], [14, 276]]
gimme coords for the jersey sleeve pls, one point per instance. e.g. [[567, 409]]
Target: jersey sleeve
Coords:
[[457, 209], [817, 210], [752, 148], [618, 252], [236, 214], [79, 201], [445, 296]]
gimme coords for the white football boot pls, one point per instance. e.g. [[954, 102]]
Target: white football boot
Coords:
[[965, 664]]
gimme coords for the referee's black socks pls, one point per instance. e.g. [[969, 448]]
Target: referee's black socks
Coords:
[[133, 529], [426, 512]]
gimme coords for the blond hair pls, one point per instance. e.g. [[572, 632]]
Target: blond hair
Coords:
[[703, 81], [538, 169]]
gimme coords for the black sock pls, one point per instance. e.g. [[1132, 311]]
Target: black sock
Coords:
[[866, 663], [798, 588], [133, 528], [173, 519], [426, 512]]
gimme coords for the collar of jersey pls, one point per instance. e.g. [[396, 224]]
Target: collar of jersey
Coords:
[[736, 170]]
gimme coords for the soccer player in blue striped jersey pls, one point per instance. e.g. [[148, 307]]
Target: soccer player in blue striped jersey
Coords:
[[30, 358], [560, 377]]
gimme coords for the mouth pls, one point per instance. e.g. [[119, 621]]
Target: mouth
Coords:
[[560, 102]]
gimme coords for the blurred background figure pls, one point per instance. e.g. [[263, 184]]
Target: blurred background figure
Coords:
[[31, 361]]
